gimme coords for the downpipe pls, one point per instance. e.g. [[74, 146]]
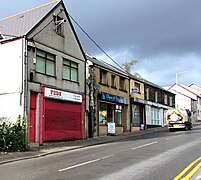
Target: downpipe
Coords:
[[25, 113]]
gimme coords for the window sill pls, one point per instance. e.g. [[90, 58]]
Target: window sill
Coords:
[[113, 87], [103, 84], [70, 80], [46, 74], [123, 90]]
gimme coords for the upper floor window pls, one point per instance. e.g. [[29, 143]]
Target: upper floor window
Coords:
[[165, 99], [156, 96], [137, 86], [147, 93], [59, 25], [113, 83], [170, 101], [199, 100], [70, 70], [122, 83], [45, 62], [103, 77]]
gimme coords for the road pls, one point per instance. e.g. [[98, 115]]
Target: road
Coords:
[[158, 156]]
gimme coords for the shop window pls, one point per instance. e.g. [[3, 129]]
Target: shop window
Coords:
[[155, 116], [110, 113], [70, 70], [45, 62], [118, 115], [103, 77], [103, 114]]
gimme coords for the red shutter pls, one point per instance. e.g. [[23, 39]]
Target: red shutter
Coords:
[[63, 120]]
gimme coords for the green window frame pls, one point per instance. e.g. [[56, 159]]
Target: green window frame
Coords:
[[70, 70], [45, 62]]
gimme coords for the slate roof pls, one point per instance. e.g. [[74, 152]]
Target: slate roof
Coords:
[[20, 24], [107, 66]]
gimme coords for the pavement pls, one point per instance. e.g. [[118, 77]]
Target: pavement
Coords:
[[56, 147]]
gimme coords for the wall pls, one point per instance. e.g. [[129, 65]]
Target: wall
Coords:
[[11, 89], [117, 92], [140, 94], [63, 47]]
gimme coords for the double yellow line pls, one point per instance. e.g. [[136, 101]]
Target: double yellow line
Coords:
[[189, 171]]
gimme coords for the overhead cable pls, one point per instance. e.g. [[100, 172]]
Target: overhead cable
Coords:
[[94, 41]]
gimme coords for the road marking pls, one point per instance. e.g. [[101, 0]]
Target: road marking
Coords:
[[84, 163], [191, 173], [138, 147], [172, 137]]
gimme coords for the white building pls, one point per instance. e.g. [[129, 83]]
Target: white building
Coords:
[[187, 98], [42, 73]]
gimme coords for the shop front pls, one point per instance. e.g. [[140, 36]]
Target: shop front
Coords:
[[138, 117], [111, 110], [62, 115]]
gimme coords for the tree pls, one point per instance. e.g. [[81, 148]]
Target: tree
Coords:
[[128, 65]]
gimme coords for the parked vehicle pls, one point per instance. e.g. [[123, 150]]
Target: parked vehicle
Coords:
[[179, 119]]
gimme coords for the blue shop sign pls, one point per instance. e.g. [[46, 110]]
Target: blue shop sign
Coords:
[[113, 98]]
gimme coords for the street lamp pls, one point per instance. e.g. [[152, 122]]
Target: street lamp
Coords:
[[178, 74]]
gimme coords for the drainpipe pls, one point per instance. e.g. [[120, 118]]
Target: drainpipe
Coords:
[[25, 113]]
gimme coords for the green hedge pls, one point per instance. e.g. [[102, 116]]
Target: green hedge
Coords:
[[12, 136]]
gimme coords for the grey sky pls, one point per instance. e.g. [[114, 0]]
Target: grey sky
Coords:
[[163, 36]]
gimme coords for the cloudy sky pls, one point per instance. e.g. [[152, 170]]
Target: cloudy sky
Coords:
[[163, 36]]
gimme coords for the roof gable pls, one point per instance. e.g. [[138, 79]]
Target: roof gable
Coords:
[[179, 88], [20, 24]]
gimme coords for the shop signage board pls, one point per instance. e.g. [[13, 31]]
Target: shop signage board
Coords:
[[113, 98], [63, 95], [111, 128], [135, 90]]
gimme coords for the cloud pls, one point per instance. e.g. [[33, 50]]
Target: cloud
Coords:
[[163, 36]]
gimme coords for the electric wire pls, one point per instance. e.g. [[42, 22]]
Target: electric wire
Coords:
[[94, 41], [85, 34]]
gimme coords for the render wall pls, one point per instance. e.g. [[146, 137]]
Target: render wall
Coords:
[[11, 74]]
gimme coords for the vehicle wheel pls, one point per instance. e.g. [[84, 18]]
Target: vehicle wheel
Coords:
[[171, 130]]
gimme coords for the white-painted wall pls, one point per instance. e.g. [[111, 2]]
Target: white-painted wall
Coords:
[[11, 99], [148, 114]]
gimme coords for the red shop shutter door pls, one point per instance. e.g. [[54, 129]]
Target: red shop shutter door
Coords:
[[62, 120]]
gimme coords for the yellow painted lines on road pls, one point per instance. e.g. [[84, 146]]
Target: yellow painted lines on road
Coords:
[[190, 170]]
